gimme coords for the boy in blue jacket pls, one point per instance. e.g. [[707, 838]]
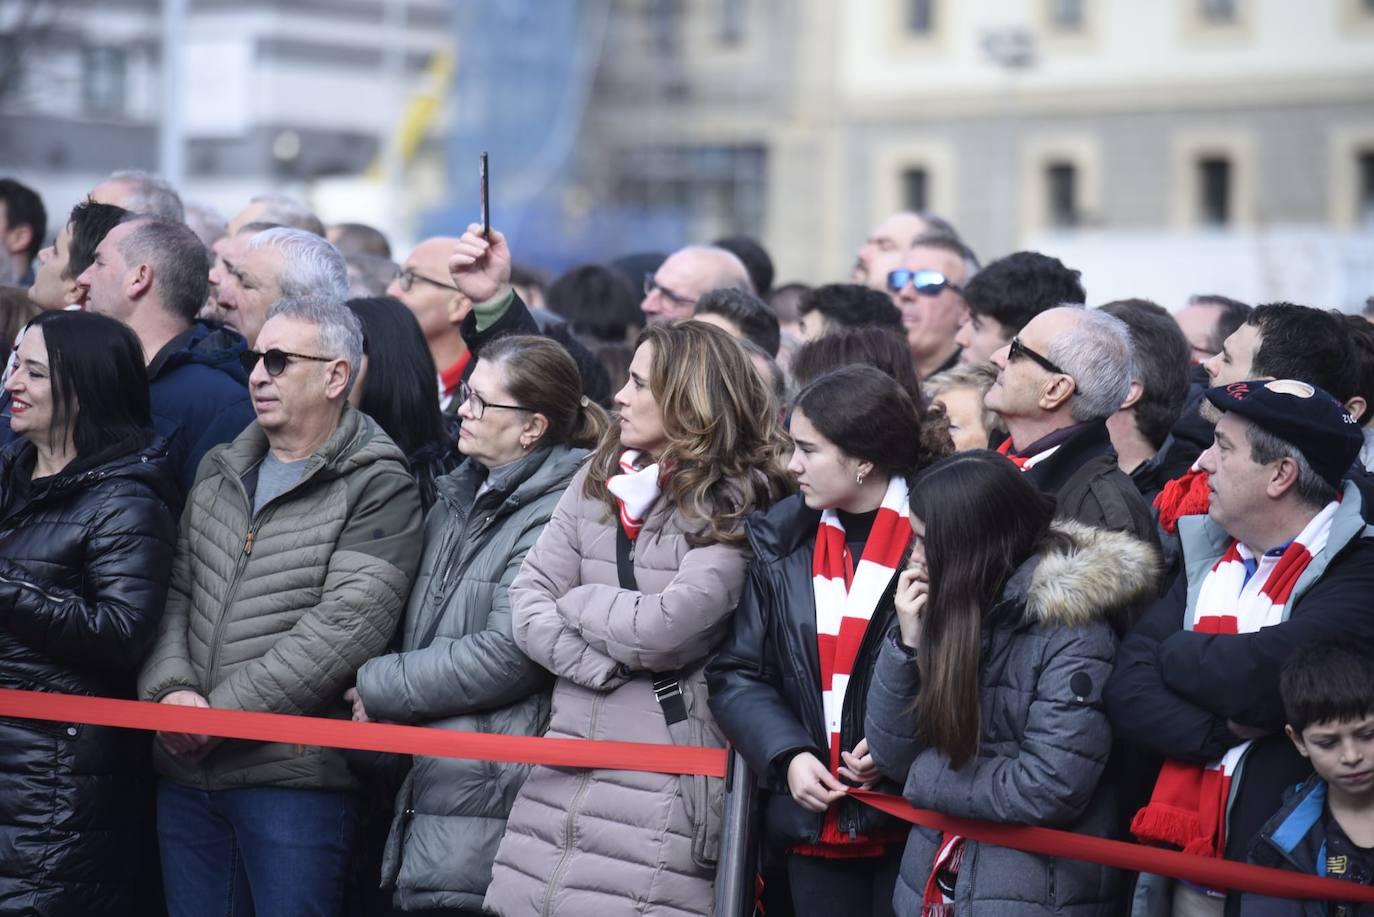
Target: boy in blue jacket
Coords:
[[1326, 826]]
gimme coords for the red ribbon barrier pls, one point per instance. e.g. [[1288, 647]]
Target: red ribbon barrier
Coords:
[[1208, 871], [655, 758], [409, 740]]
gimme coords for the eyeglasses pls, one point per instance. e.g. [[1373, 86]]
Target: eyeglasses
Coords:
[[408, 277], [929, 283], [275, 361], [478, 404], [1018, 350], [651, 283]]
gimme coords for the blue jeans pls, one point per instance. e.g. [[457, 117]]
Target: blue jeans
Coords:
[[255, 852]]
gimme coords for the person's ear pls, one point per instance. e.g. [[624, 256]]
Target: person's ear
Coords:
[[534, 430], [139, 282], [1297, 741], [1283, 478], [1356, 408], [1133, 395], [336, 378], [1059, 390]]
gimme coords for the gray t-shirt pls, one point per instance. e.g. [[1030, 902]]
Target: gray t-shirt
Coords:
[[275, 478]]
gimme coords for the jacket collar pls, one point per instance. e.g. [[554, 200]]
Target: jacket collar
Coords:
[[1203, 542], [1086, 442], [518, 482], [782, 529], [357, 441]]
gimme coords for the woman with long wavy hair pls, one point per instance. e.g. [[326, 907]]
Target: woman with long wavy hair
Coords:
[[624, 596]]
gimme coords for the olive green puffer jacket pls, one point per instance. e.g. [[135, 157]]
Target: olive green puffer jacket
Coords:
[[275, 611]]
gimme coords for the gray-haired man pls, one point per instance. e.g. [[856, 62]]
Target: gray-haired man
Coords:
[[296, 554], [1058, 381], [258, 266]]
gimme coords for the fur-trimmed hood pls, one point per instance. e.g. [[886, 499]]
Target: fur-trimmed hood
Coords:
[[1102, 572]]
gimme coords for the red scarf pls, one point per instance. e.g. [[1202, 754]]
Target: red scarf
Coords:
[[450, 378], [1025, 462], [1188, 806], [846, 597], [1188, 495]]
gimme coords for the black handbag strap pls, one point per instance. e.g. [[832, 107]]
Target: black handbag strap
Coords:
[[667, 688]]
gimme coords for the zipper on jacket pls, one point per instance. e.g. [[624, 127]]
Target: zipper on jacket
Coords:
[[583, 785], [48, 596], [255, 522]]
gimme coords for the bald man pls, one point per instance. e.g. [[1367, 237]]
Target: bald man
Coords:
[[427, 290], [886, 246], [689, 274]]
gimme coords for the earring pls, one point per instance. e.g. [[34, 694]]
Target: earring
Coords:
[[859, 478]]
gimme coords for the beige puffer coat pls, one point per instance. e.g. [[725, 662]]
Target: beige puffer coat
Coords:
[[605, 843], [275, 611]]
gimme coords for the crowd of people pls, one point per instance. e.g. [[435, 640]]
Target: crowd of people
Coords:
[[939, 529]]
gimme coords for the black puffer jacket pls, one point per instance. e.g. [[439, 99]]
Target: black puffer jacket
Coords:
[[765, 682], [84, 560]]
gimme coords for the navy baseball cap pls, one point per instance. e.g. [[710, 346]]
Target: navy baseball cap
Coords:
[[1308, 417]]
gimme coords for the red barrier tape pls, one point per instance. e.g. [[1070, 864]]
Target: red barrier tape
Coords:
[[410, 740], [1213, 873], [655, 758]]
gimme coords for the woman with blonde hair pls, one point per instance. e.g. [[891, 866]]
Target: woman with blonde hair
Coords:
[[625, 595]]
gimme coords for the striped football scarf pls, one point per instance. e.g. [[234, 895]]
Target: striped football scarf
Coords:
[[1188, 806], [846, 597], [635, 490]]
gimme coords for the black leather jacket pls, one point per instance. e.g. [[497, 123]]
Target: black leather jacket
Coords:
[[766, 681], [85, 557]]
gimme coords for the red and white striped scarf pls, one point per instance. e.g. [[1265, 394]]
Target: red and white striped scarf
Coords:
[[1188, 806], [635, 490], [846, 597], [1025, 462]]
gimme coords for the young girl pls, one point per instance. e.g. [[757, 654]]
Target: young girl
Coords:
[[789, 686], [987, 698]]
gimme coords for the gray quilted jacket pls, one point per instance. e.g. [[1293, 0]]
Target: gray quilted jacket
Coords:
[[274, 612], [459, 668], [1047, 652], [607, 843]]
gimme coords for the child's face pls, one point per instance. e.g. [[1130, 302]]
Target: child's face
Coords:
[[1341, 752]]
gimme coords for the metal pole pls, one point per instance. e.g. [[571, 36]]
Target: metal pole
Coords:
[[737, 866], [171, 139]]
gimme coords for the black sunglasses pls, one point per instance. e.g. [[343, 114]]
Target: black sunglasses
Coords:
[[1018, 350], [929, 283], [275, 361]]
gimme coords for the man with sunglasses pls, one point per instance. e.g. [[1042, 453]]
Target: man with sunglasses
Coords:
[[1057, 383], [929, 289], [671, 292], [296, 554]]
